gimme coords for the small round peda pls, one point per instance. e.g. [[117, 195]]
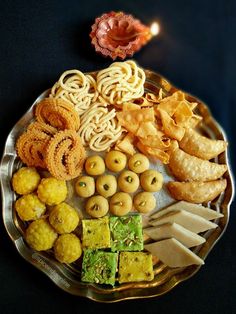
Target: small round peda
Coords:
[[120, 204], [94, 165], [144, 202], [128, 181], [85, 186], [106, 185], [115, 160], [151, 180], [138, 163], [97, 206]]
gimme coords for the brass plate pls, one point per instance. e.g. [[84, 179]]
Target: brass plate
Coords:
[[67, 277]]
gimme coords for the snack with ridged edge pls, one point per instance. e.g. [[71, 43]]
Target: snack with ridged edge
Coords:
[[196, 192], [65, 155], [58, 113]]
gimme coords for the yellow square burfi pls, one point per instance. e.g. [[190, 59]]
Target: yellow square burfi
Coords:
[[135, 266], [96, 233]]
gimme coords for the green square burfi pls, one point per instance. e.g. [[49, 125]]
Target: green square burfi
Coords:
[[126, 233], [99, 267], [96, 233], [135, 266]]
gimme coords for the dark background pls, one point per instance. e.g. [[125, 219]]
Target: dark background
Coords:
[[196, 50]]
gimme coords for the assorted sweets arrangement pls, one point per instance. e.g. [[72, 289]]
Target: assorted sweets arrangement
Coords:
[[102, 134]]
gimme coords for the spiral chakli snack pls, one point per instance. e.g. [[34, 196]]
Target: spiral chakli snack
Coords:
[[65, 155], [42, 128], [31, 145], [121, 82], [77, 88], [57, 113], [99, 127]]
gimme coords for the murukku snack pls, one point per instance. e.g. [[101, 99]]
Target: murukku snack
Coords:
[[99, 127], [77, 88], [121, 82], [57, 113], [65, 155]]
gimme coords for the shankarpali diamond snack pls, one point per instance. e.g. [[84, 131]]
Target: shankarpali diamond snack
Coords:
[[200, 146], [196, 192], [186, 167]]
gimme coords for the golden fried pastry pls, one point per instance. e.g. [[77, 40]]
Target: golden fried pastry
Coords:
[[120, 204], [151, 180], [42, 128], [138, 163], [57, 113], [65, 155], [97, 206], [106, 185], [186, 167], [128, 181], [94, 165], [196, 192], [115, 161], [200, 146], [31, 146], [85, 186], [144, 202]]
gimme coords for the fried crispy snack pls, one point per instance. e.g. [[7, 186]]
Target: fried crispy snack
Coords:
[[200, 146], [196, 192], [186, 167], [42, 128], [31, 145], [57, 113], [65, 155]]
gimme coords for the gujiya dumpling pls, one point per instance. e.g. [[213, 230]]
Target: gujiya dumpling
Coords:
[[196, 192], [186, 167], [200, 146]]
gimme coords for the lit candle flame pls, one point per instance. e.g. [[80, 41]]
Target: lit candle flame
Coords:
[[154, 29]]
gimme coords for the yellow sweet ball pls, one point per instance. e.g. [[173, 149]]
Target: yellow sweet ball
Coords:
[[29, 207], [25, 180], [64, 218], [52, 191], [40, 235], [67, 248]]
